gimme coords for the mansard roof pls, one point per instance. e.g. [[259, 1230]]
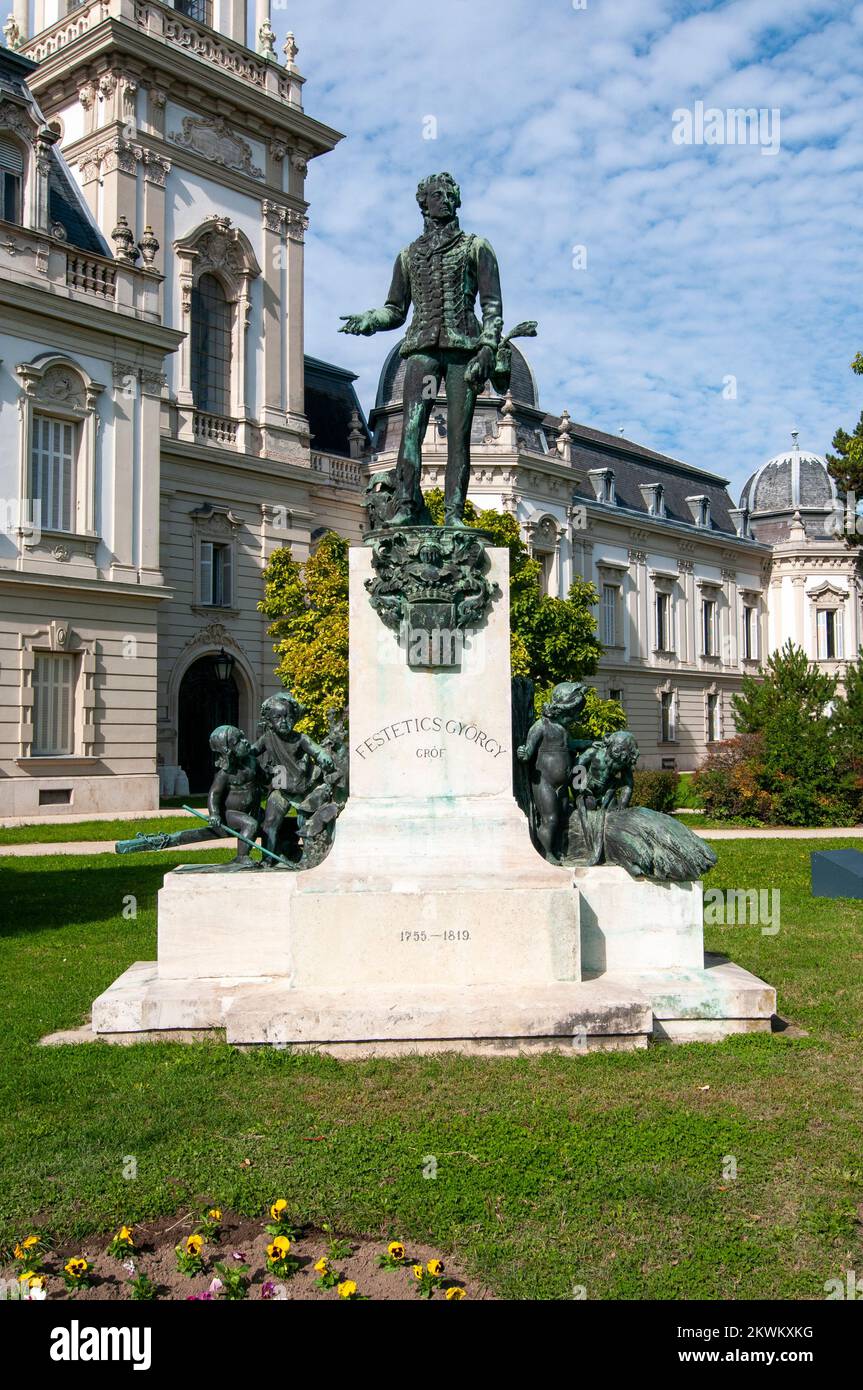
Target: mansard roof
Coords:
[[69, 217], [330, 402]]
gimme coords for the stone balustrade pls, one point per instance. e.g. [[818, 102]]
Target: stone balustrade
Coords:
[[170, 26], [341, 472], [214, 429]]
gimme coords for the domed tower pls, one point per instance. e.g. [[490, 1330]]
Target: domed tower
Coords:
[[794, 487], [792, 503]]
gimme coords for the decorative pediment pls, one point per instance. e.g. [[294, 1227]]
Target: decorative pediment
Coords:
[[829, 592], [18, 120], [212, 138], [54, 382], [217, 247], [215, 521]]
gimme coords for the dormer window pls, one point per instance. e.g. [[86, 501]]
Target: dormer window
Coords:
[[654, 498], [602, 482], [11, 182], [699, 508]]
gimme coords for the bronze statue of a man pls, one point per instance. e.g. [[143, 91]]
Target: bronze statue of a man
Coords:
[[442, 273]]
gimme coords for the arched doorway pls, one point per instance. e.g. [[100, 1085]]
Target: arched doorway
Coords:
[[204, 702]]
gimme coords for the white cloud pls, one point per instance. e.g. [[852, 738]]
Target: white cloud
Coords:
[[702, 262]]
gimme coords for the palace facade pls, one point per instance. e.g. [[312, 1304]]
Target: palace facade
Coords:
[[162, 432]]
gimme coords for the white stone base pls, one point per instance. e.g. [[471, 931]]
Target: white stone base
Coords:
[[606, 1013]]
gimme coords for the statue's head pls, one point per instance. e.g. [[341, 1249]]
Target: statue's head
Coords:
[[229, 744], [439, 196], [567, 701], [281, 712], [622, 748]]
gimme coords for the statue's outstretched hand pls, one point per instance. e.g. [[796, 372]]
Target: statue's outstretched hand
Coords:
[[522, 753], [363, 323]]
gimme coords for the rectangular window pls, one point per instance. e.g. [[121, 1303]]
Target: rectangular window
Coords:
[[216, 575], [609, 615], [667, 717], [708, 627], [53, 704], [663, 623], [52, 472], [546, 570], [750, 633], [829, 634], [712, 718], [616, 695], [202, 10]]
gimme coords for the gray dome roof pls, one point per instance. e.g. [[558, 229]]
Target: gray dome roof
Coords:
[[523, 385], [791, 481]]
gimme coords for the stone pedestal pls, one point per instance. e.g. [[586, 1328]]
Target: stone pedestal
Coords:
[[433, 922]]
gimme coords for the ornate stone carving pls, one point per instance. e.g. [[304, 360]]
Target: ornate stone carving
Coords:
[[212, 138], [119, 154], [87, 95], [300, 163], [124, 242], [158, 98], [152, 383], [17, 119], [267, 40], [290, 48], [214, 50], [430, 578], [156, 168]]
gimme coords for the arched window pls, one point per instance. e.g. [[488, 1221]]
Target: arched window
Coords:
[[11, 181], [211, 347]]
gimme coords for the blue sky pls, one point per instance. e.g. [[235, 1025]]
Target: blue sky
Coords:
[[703, 262]]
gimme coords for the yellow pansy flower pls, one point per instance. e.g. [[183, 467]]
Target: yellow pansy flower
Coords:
[[126, 1234], [214, 1214], [323, 1265], [455, 1293], [278, 1209], [194, 1244], [418, 1271], [279, 1248], [30, 1242], [396, 1250], [435, 1267], [347, 1289], [76, 1268]]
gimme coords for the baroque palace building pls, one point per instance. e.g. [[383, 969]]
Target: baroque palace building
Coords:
[[162, 432]]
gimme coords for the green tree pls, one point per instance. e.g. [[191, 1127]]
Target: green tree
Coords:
[[846, 465], [789, 706], [307, 604], [848, 734], [552, 639]]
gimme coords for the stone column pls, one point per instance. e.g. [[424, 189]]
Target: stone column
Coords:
[[272, 405], [294, 383], [234, 19], [148, 475], [126, 448], [262, 15], [21, 15], [156, 170]]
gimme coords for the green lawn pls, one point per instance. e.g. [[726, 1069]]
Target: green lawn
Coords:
[[601, 1170], [66, 832]]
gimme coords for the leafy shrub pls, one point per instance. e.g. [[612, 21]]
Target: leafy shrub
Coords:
[[727, 783], [656, 788]]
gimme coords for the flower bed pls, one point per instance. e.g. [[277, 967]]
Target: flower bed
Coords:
[[217, 1255]]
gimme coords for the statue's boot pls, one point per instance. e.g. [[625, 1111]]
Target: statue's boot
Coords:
[[455, 521]]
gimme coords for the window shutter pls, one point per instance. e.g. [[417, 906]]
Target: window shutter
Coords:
[[206, 575], [11, 158], [838, 626], [54, 710], [227, 575], [822, 632]]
